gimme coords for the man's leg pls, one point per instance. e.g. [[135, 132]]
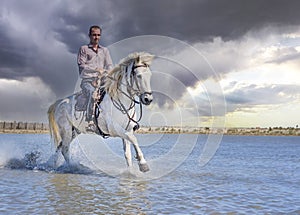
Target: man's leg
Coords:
[[88, 90]]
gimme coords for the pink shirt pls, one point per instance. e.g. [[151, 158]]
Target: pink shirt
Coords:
[[89, 60]]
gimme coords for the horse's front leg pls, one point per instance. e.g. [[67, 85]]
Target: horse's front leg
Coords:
[[127, 152], [139, 154]]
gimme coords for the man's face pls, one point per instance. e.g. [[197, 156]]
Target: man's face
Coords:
[[95, 36]]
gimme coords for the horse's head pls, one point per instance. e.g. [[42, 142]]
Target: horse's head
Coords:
[[131, 77], [140, 77]]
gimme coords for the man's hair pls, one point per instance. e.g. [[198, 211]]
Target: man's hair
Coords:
[[94, 26]]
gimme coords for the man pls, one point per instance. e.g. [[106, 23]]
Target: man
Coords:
[[93, 61]]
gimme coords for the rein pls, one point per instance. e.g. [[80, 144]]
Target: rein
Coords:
[[100, 132], [120, 106]]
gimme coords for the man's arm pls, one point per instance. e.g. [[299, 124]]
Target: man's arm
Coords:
[[108, 65], [81, 59]]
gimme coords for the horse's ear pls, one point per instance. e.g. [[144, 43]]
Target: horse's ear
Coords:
[[138, 59], [148, 59]]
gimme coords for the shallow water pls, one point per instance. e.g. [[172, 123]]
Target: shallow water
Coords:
[[247, 175]]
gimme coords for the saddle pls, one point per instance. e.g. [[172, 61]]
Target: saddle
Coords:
[[82, 99]]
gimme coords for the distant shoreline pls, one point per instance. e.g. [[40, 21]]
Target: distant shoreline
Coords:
[[275, 131], [43, 128], [24, 131]]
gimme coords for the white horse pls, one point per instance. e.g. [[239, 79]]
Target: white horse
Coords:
[[126, 85]]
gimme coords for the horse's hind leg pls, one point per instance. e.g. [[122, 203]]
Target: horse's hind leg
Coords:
[[65, 149], [52, 161], [67, 138]]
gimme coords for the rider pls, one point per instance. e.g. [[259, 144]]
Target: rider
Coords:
[[93, 61]]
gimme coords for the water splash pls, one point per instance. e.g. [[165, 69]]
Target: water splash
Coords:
[[31, 161], [28, 162]]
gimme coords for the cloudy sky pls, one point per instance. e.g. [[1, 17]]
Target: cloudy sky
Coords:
[[230, 62]]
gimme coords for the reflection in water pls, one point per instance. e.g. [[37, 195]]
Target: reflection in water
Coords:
[[248, 175], [67, 195], [135, 193], [77, 193]]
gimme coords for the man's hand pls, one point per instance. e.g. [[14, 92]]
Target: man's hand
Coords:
[[101, 71]]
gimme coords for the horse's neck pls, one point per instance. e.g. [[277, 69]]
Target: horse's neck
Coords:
[[124, 94]]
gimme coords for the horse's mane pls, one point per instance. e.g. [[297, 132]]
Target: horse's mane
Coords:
[[117, 73]]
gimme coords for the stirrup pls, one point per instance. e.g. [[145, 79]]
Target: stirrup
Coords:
[[91, 128]]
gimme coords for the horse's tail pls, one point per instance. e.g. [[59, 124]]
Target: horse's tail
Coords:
[[53, 127]]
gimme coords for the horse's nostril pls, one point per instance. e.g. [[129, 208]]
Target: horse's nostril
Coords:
[[146, 98]]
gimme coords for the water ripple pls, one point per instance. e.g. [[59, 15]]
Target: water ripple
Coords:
[[256, 175]]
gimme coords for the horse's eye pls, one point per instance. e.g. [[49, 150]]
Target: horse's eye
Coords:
[[139, 76]]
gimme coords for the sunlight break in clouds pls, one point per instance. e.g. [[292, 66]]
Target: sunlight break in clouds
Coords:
[[251, 48], [274, 73], [259, 77]]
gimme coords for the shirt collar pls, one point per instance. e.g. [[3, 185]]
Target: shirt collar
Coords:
[[91, 46]]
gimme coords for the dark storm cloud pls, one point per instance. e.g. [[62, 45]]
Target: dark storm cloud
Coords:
[[14, 55], [72, 25], [189, 20], [195, 20], [41, 38]]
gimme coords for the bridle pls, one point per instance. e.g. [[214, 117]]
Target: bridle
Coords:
[[130, 81], [133, 79]]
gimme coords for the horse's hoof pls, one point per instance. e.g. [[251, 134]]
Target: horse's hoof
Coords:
[[144, 167]]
